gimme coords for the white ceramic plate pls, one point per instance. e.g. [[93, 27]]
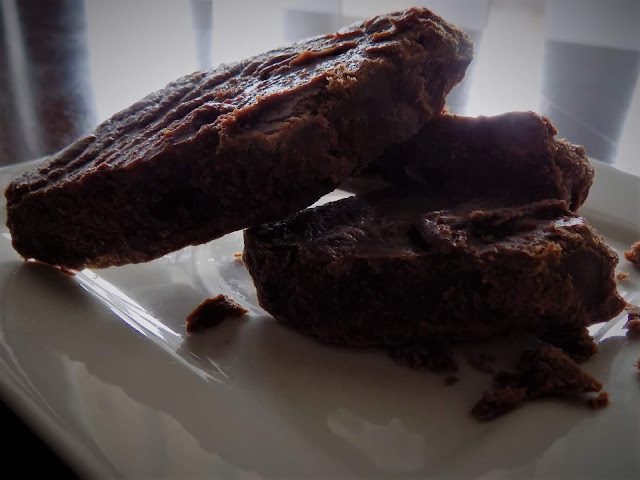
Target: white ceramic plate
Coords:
[[100, 366]]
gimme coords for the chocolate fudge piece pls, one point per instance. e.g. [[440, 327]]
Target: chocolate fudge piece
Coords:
[[402, 268], [212, 312], [255, 141], [515, 155]]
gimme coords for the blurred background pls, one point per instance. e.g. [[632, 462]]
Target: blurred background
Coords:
[[66, 65]]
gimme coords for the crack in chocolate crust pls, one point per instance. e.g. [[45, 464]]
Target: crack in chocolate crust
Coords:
[[240, 145], [397, 268]]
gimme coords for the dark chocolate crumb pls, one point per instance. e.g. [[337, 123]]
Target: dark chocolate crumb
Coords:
[[633, 321], [620, 276], [633, 255], [544, 371], [633, 327], [212, 312], [598, 402]]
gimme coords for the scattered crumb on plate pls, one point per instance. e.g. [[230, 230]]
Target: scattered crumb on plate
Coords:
[[237, 257], [633, 255], [633, 320], [543, 371], [601, 401], [212, 312], [620, 276]]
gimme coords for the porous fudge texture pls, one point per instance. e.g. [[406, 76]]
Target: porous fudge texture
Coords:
[[515, 155], [403, 268], [240, 145]]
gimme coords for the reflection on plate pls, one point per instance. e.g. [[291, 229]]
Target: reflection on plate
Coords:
[[100, 365]]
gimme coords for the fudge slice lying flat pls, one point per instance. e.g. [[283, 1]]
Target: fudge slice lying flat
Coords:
[[393, 269], [514, 154], [218, 151]]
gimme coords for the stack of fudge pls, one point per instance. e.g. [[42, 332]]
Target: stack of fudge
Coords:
[[473, 235]]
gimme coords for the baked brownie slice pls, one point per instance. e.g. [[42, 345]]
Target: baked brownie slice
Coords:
[[514, 154], [399, 268], [240, 145]]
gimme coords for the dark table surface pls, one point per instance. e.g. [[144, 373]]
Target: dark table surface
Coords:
[[66, 65]]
